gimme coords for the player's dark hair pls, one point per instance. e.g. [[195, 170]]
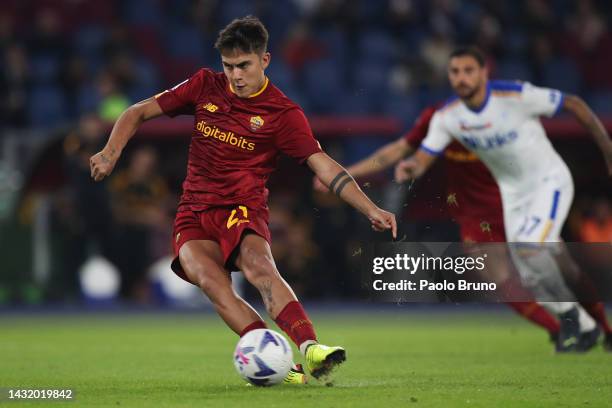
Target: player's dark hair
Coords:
[[246, 34], [471, 51]]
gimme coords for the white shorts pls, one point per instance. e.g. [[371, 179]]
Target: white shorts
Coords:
[[539, 215]]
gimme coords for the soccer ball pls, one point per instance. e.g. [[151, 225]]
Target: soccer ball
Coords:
[[263, 357]]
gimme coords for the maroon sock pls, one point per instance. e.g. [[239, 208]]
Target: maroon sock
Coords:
[[598, 312], [294, 321], [537, 314], [257, 324]]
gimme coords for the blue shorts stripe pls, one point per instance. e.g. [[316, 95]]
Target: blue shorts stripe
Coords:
[[431, 151], [560, 105], [553, 210]]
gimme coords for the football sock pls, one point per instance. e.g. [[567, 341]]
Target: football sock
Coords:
[[294, 321], [586, 321], [530, 310], [597, 311], [536, 314], [540, 273], [558, 308], [257, 324]]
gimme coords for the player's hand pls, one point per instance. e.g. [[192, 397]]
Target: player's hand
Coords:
[[102, 164], [407, 170], [317, 185], [383, 220]]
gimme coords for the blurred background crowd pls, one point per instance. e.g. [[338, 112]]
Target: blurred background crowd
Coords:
[[70, 67]]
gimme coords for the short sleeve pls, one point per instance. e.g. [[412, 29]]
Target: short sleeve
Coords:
[[541, 101], [437, 136], [295, 137], [417, 133], [182, 98]]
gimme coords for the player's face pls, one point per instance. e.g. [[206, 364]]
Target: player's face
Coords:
[[245, 72], [466, 76]]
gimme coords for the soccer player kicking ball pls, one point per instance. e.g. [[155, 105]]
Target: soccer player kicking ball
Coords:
[[499, 121], [241, 124]]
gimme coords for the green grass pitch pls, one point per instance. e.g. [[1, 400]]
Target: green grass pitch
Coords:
[[395, 358]]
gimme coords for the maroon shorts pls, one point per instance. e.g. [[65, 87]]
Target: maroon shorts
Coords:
[[482, 229], [224, 225]]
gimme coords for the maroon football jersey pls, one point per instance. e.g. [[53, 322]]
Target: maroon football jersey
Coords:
[[471, 189], [235, 141]]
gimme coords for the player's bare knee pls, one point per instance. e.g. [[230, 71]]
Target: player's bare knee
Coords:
[[258, 268], [208, 286], [197, 274], [218, 292]]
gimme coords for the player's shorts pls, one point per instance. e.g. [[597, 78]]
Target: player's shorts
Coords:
[[224, 225], [485, 228], [539, 215]]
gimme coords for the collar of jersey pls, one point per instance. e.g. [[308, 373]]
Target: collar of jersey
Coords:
[[263, 88], [484, 103]]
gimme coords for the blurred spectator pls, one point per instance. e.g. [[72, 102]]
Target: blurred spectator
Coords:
[[489, 36], [402, 78], [301, 48], [203, 14], [139, 202], [82, 216], [91, 198], [121, 67], [401, 15], [295, 252], [331, 12], [46, 36], [74, 77], [435, 51], [7, 30], [112, 102], [117, 41], [540, 53], [588, 40], [539, 17], [14, 84], [597, 227]]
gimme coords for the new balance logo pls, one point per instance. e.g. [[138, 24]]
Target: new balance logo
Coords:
[[211, 107]]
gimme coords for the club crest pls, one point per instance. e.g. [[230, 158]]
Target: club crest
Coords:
[[256, 123]]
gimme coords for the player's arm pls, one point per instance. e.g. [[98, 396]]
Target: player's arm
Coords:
[[432, 146], [383, 158], [337, 179], [103, 162], [581, 111], [414, 166], [393, 152]]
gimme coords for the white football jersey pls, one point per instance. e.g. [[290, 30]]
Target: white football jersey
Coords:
[[505, 132]]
